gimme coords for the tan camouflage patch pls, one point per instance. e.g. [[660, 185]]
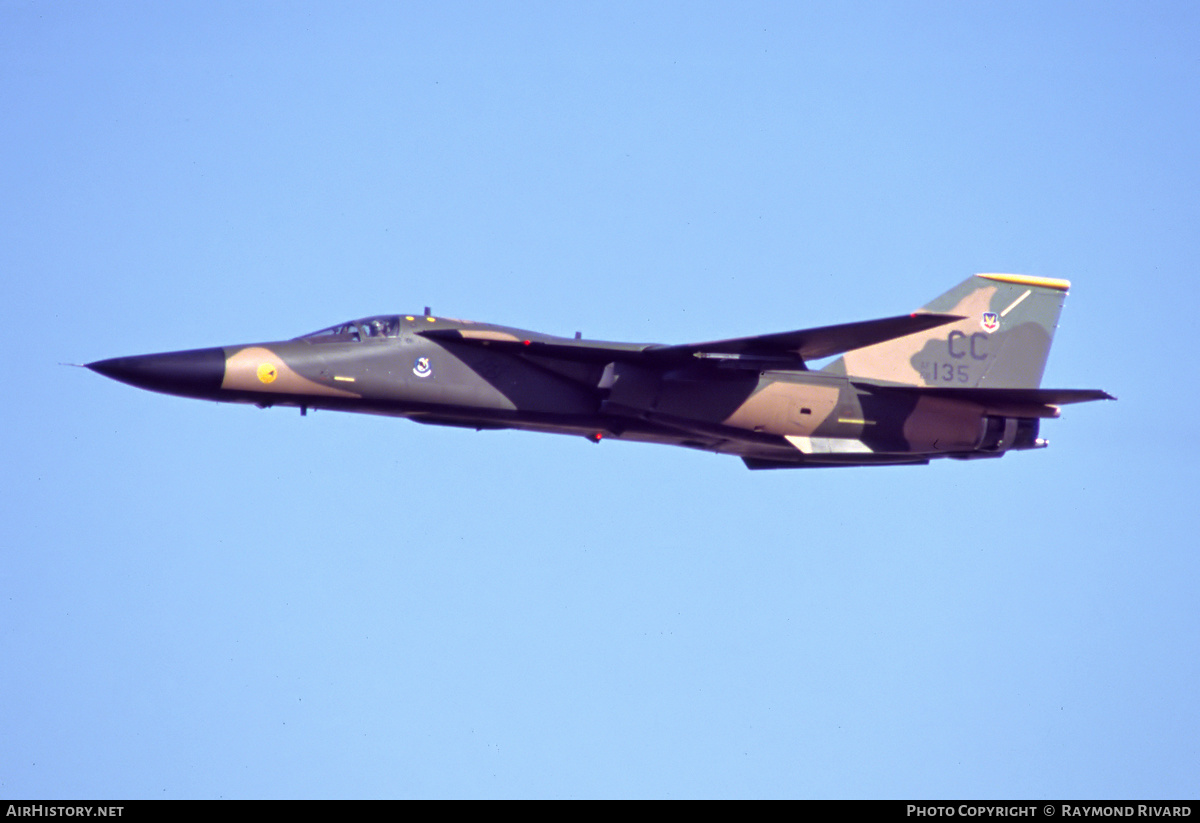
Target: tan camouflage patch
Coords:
[[786, 408], [260, 369], [892, 359], [488, 334]]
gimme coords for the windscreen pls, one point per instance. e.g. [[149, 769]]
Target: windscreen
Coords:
[[355, 331]]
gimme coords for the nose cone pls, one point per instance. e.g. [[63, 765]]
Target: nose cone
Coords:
[[196, 373]]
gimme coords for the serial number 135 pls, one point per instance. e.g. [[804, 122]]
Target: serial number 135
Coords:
[[935, 372]]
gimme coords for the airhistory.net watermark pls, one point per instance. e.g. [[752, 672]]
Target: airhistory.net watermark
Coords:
[[44, 810]]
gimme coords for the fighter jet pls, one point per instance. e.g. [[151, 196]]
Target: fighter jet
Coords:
[[958, 378]]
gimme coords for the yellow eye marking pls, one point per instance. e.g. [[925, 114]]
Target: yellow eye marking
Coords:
[[267, 372]]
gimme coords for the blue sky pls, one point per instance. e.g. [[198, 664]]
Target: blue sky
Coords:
[[204, 600]]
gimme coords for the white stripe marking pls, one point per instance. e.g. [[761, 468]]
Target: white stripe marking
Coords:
[[827, 445], [1017, 302]]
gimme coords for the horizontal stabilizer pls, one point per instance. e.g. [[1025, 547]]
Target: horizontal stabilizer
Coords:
[[1050, 397], [1010, 402]]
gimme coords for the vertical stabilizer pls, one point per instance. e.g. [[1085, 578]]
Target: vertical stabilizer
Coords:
[[1002, 342]]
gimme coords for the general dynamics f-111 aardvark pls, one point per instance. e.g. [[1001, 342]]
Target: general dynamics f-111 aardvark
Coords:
[[958, 378]]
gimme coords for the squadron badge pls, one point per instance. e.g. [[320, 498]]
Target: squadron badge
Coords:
[[991, 321], [421, 367]]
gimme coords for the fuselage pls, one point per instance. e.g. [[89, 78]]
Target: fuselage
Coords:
[[450, 372]]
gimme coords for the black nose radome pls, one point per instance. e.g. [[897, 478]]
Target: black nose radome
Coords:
[[196, 373]]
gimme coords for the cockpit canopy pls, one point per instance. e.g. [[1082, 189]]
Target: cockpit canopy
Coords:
[[381, 325]]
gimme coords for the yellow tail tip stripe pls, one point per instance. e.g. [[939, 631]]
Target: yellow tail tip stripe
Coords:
[[1028, 280]]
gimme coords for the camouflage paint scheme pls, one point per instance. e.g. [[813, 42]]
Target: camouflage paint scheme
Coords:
[[959, 378]]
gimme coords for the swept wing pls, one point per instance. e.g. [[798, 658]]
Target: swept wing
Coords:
[[803, 344]]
